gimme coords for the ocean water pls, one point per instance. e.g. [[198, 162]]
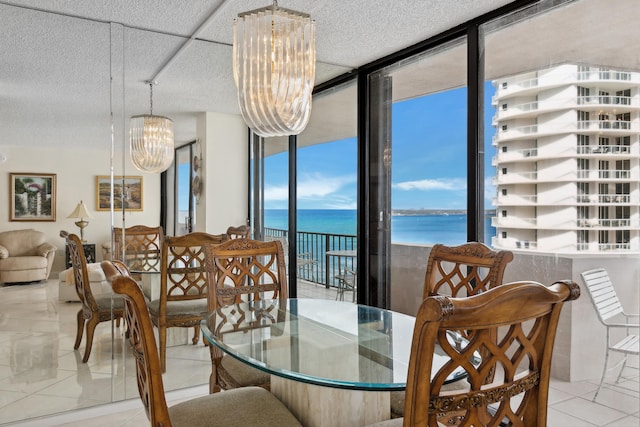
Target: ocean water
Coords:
[[421, 229]]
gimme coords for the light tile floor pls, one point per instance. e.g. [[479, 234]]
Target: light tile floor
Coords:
[[41, 374]]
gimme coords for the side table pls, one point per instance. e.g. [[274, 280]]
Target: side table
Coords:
[[89, 254]]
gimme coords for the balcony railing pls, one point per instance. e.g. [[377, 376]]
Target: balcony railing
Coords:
[[603, 124], [317, 245], [604, 99], [593, 222], [515, 155], [614, 246], [603, 198], [604, 75], [520, 199], [603, 174], [513, 222], [603, 149]]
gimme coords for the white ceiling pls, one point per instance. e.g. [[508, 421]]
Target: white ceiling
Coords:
[[56, 57]]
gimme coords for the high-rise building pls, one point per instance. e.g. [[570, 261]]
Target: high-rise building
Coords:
[[568, 160]]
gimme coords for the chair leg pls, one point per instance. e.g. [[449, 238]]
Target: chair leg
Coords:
[[80, 329], [624, 364], [214, 386], [91, 327], [196, 335], [604, 372], [162, 334]]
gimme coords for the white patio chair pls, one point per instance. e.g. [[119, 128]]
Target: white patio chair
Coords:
[[608, 307]]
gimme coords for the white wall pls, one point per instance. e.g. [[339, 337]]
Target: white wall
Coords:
[[76, 173], [224, 195]]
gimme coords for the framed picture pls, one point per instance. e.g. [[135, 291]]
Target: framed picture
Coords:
[[33, 197], [127, 190]]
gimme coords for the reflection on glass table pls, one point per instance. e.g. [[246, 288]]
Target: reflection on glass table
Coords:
[[335, 354]]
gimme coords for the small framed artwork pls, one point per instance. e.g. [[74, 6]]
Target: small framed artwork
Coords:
[[33, 197], [127, 190]]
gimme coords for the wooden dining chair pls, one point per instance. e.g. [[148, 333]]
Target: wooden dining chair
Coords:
[[95, 308], [249, 406], [114, 268], [139, 247], [241, 231], [242, 270], [183, 286], [526, 315], [464, 270], [459, 271]]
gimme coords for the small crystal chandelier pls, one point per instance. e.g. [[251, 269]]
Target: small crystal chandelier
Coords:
[[274, 57], [151, 140]]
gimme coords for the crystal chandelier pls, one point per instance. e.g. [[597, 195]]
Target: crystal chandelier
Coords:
[[151, 140], [274, 57]]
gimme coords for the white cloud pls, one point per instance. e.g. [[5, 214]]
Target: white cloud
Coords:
[[432, 184], [310, 186], [272, 193]]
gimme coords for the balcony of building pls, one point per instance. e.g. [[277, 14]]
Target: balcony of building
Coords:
[[604, 175], [513, 222], [608, 76], [617, 223], [514, 155], [603, 247], [571, 75], [612, 127], [601, 150], [515, 178], [605, 199], [509, 111], [515, 200]]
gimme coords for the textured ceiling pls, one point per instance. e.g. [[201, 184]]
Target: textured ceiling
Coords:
[[57, 56]]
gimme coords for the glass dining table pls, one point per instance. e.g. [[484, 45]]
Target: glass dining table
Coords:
[[331, 362]]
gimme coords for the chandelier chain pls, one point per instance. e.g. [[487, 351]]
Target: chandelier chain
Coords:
[[151, 97]]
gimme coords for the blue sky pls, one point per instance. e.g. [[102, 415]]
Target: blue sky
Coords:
[[428, 160]]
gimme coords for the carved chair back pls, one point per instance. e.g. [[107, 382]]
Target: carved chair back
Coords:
[[80, 272], [526, 315], [242, 267], [143, 343], [464, 270], [241, 231], [139, 247]]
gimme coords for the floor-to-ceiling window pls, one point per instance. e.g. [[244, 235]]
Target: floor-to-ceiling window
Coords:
[[562, 124], [420, 178], [327, 163], [429, 148]]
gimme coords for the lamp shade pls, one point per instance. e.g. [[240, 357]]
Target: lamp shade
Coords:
[[274, 58], [80, 211], [151, 142]]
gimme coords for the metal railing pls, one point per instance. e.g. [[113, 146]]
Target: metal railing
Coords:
[[316, 246]]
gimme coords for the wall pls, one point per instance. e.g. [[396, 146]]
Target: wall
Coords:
[[580, 340], [76, 173], [224, 195]]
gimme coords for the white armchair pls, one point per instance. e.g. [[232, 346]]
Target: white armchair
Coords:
[[25, 256]]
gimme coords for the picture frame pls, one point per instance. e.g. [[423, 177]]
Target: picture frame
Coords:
[[32, 196], [133, 197]]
